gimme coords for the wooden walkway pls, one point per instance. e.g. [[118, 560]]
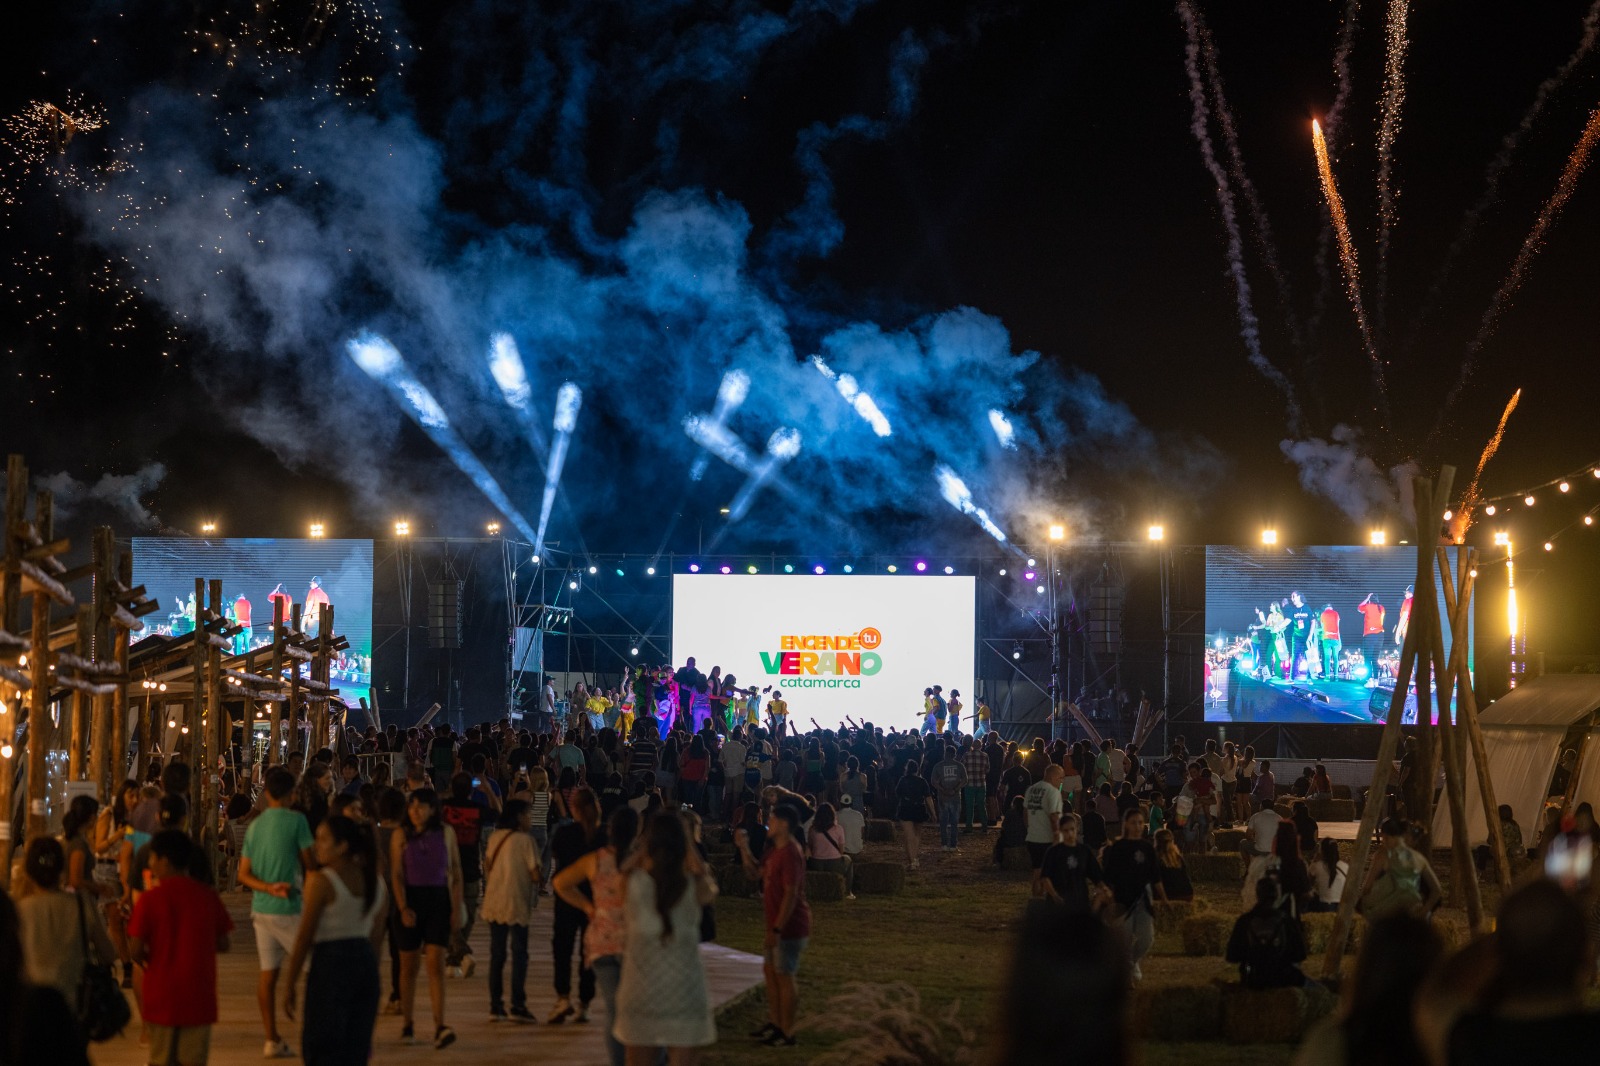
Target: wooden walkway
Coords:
[[237, 1038]]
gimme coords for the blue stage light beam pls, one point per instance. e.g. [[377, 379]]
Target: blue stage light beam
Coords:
[[1004, 431], [382, 363], [957, 495], [511, 374], [851, 391], [569, 400], [783, 445], [717, 439], [731, 394]]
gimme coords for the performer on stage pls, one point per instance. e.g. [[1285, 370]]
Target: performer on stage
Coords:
[[778, 715], [315, 600], [1277, 644], [1405, 619], [241, 615], [1328, 625], [927, 710], [1299, 631], [1372, 640], [955, 711], [941, 709], [288, 603], [981, 716]]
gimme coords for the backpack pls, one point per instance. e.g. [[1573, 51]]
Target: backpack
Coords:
[[1266, 949], [1398, 889]]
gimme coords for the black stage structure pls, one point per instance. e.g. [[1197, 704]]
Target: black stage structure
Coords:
[[472, 624]]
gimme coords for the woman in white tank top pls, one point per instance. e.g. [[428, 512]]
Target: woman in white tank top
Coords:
[[345, 904]]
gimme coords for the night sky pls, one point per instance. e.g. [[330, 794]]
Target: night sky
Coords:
[[1033, 161]]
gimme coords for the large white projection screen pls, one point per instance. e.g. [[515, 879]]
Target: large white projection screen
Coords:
[[859, 645]]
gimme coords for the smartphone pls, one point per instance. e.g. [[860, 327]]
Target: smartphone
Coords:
[[477, 783]]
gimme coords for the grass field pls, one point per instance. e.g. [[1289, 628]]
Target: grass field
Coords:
[[948, 936]]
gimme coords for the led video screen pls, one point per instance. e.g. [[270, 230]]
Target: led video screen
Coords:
[[864, 645], [254, 573], [1307, 634]]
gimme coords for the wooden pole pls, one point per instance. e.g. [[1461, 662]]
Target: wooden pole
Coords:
[[215, 726], [274, 733], [10, 620], [323, 673], [192, 742], [103, 553], [81, 703], [39, 728], [1454, 786], [120, 639], [294, 692], [1383, 768]]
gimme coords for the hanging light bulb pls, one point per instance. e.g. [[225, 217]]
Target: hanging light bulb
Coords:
[[172, 723], [6, 751]]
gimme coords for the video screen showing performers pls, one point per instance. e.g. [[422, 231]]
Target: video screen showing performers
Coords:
[[1307, 634], [254, 573]]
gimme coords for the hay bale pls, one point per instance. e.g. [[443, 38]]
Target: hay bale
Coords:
[[878, 831], [1452, 929], [1015, 860], [824, 887], [1318, 927], [1227, 841], [1171, 914], [1342, 792], [1334, 810], [880, 878], [1177, 1012], [1206, 933], [1217, 869], [1272, 1015], [731, 881]]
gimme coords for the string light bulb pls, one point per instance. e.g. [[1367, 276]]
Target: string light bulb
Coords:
[[1588, 519], [1549, 547], [1564, 487], [1528, 500], [1489, 510]]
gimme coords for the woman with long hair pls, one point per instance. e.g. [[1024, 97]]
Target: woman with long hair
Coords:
[[37, 1024], [425, 867], [1174, 872], [311, 795], [694, 765], [827, 848], [601, 871], [663, 1000], [54, 922], [345, 904], [568, 844], [913, 806], [1373, 1026], [111, 829]]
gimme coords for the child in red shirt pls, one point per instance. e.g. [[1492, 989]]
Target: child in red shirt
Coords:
[[176, 930]]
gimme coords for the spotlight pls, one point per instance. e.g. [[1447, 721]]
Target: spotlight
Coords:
[[893, 568], [726, 569], [1016, 650], [1058, 531], [751, 569], [634, 650], [619, 571], [1378, 538], [1156, 533], [1039, 590], [723, 510], [402, 529], [493, 529], [573, 585], [921, 566], [1269, 537], [1032, 563], [819, 569], [788, 568], [1502, 540], [1549, 547], [949, 569], [1002, 571], [184, 730], [1528, 500], [849, 569], [1564, 487], [208, 527], [316, 531], [594, 569], [1489, 510], [650, 571], [1030, 575], [694, 568], [535, 560]]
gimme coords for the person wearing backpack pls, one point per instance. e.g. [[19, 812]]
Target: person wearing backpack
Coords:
[[949, 777], [1173, 772], [1267, 942], [1400, 880]]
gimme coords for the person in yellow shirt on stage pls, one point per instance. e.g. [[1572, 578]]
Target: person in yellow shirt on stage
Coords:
[[778, 714], [597, 706], [981, 718]]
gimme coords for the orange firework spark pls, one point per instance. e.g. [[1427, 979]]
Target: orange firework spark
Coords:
[[1462, 520], [1347, 254], [1565, 186], [1394, 98]]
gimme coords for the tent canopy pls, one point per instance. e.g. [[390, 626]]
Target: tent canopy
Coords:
[[1522, 734]]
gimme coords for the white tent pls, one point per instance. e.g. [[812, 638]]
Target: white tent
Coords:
[[1522, 734]]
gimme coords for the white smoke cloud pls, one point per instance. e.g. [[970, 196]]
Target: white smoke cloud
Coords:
[[122, 494], [1340, 470]]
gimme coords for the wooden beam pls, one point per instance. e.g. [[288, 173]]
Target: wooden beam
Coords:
[[275, 668], [39, 725]]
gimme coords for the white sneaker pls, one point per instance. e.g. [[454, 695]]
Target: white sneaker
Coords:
[[276, 1049], [468, 965]]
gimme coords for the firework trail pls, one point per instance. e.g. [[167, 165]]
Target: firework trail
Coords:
[[1249, 325], [1565, 186], [1230, 139], [1502, 162], [1347, 259], [1462, 520], [1394, 98], [1334, 118]]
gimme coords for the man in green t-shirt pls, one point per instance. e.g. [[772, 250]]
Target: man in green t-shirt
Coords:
[[272, 863]]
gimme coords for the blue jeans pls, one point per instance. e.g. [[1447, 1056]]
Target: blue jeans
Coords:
[[949, 820], [607, 976], [499, 935]]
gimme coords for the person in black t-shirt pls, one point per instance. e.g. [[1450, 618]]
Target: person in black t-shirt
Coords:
[[1132, 874], [467, 817], [1267, 942], [1070, 871]]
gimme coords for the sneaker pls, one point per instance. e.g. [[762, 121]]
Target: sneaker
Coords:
[[563, 1010], [276, 1049], [914, 864], [469, 965], [408, 1035], [443, 1037], [764, 1032], [497, 1015], [583, 1013], [523, 1016], [849, 895], [779, 1039]]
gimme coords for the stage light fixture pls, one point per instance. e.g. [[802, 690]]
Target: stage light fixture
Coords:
[[1489, 510], [208, 527], [1473, 572], [650, 571], [1030, 575], [6, 751], [1002, 571], [1032, 563], [162, 687], [849, 569], [493, 529], [819, 569], [1269, 537], [722, 510], [1564, 487], [725, 568], [788, 568], [633, 651], [921, 566], [172, 723], [573, 585], [402, 529], [1058, 531], [1528, 501], [619, 572], [1549, 547], [751, 569], [1016, 650], [1377, 538], [1156, 533], [535, 560], [594, 569], [1502, 540], [1597, 471], [317, 531], [893, 568], [949, 569], [1040, 590], [694, 568]]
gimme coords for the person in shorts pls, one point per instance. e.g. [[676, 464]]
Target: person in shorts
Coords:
[[175, 932], [425, 867], [1043, 803], [272, 864], [782, 871]]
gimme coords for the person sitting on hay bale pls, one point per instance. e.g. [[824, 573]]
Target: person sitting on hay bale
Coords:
[[1267, 942]]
